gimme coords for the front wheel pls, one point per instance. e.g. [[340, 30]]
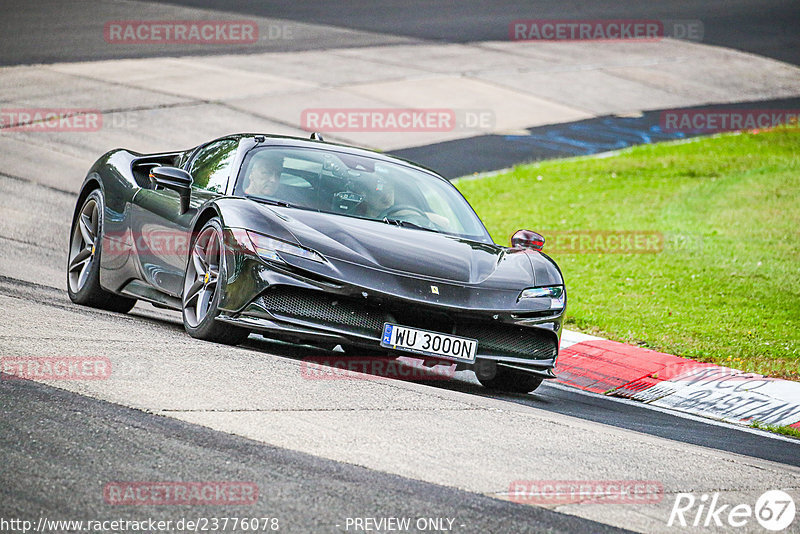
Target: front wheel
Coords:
[[83, 264], [201, 291], [511, 380]]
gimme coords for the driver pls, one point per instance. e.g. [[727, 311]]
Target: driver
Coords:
[[264, 178]]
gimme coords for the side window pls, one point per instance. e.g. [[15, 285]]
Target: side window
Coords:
[[212, 165]]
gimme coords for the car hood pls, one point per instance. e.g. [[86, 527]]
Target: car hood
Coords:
[[409, 251]]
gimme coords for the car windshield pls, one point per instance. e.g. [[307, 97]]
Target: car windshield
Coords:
[[358, 186]]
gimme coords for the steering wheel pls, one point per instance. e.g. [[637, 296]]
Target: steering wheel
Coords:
[[391, 210]]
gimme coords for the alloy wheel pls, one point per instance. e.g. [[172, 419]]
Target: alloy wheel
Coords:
[[82, 252], [202, 274]]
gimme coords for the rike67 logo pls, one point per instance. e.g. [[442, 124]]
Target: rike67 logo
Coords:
[[774, 510]]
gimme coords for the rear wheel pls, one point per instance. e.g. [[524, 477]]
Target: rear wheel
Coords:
[[83, 265], [201, 291], [511, 380]]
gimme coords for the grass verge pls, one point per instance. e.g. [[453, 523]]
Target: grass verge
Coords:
[[785, 430], [724, 286]]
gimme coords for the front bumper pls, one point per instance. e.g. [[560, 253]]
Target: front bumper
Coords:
[[297, 303]]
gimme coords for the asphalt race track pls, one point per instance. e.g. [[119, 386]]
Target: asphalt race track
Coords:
[[62, 447], [767, 28], [320, 452], [764, 27], [76, 440]]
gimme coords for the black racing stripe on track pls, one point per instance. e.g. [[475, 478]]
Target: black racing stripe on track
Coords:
[[462, 157], [59, 449]]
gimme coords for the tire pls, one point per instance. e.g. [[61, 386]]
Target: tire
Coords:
[[83, 262], [201, 293], [511, 380]]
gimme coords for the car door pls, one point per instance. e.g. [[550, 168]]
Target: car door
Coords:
[[161, 232]]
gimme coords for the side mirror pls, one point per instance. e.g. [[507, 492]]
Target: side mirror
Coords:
[[175, 179], [527, 239]]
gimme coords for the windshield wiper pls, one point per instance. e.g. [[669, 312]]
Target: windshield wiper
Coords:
[[273, 202], [407, 224]]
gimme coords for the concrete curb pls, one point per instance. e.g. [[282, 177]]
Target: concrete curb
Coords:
[[619, 370]]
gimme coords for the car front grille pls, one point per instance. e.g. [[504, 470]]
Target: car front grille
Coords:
[[510, 340], [366, 317], [319, 307]]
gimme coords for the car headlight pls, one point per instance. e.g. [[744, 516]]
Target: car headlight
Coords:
[[268, 248], [556, 294]]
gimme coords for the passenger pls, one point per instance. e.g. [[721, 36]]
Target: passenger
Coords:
[[380, 202], [377, 199]]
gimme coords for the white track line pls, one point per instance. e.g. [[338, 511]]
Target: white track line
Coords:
[[683, 415]]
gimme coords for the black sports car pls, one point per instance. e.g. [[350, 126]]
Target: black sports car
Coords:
[[317, 242]]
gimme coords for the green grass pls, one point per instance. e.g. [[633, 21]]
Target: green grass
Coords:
[[785, 430], [725, 288]]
